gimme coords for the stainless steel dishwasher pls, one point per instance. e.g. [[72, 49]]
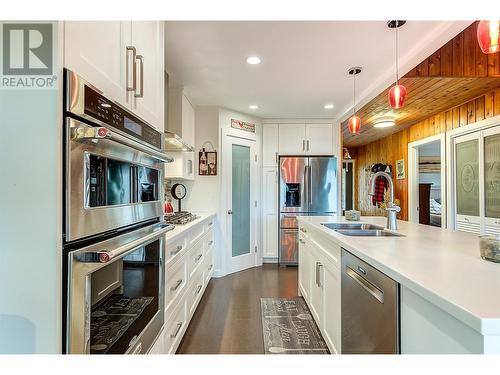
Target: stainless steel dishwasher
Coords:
[[370, 309]]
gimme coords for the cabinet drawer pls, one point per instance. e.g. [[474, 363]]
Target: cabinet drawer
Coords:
[[208, 241], [209, 224], [176, 281], [175, 328], [195, 292], [208, 266], [195, 258], [195, 234], [159, 345], [175, 249]]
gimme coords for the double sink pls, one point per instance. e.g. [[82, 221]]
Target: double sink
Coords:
[[360, 230]]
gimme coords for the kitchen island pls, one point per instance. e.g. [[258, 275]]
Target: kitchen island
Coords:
[[449, 296]]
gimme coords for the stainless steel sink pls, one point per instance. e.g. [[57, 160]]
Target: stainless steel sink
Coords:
[[368, 233], [357, 226]]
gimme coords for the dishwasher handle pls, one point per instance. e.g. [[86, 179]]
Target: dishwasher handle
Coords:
[[365, 284]]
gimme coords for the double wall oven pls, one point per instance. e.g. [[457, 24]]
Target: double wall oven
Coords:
[[114, 233]]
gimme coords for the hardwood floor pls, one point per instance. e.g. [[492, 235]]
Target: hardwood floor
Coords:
[[227, 320]]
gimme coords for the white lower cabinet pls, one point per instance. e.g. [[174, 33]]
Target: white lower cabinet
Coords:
[[319, 284], [189, 268]]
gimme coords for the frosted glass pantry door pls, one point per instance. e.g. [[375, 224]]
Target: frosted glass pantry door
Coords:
[[492, 180], [239, 179], [467, 183]]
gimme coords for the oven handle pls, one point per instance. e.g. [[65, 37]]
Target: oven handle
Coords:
[[105, 256], [85, 133]]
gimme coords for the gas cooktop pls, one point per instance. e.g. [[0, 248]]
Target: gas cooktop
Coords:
[[179, 218]]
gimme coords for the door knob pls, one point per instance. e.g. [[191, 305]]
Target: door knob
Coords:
[[229, 212]]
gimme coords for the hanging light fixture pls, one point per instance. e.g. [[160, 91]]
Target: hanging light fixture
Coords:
[[354, 123], [488, 36], [397, 93]]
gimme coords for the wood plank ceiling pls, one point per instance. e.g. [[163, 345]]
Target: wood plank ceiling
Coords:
[[455, 73]]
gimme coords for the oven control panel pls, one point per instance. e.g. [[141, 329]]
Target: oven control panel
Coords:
[[105, 110]]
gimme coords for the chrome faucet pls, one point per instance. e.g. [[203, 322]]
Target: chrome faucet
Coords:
[[392, 209]]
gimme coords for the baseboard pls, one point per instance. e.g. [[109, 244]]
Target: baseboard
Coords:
[[270, 260]]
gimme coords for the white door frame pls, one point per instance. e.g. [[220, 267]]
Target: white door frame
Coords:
[[228, 265], [413, 169]]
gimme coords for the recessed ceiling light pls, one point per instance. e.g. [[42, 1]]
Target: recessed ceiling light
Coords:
[[328, 106], [384, 124], [254, 60], [253, 106]]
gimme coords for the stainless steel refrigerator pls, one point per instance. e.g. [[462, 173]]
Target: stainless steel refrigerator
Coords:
[[308, 186]]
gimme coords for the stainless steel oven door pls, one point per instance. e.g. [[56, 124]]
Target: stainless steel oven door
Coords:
[[116, 293], [111, 181]]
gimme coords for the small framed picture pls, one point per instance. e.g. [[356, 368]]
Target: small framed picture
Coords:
[[207, 163], [400, 169]]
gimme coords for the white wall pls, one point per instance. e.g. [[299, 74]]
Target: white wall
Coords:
[[30, 219]]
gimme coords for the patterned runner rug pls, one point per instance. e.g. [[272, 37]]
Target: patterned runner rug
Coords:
[[289, 328]]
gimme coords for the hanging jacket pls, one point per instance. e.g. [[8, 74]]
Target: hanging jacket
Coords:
[[381, 183]]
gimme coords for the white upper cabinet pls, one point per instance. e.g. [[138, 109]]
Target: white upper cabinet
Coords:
[[96, 50], [148, 40], [319, 139], [270, 145], [306, 139], [103, 52], [292, 139]]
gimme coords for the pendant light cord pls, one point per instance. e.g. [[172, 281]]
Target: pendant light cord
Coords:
[[354, 96], [397, 68]]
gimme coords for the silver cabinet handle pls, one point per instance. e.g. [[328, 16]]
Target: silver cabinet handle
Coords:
[[141, 60], [320, 266], [307, 145], [177, 285], [199, 288], [303, 145], [210, 224], [178, 328], [365, 284], [229, 212], [86, 133], [317, 273], [210, 243], [210, 268], [137, 349], [303, 230], [177, 249], [302, 241], [198, 257], [132, 87], [276, 158]]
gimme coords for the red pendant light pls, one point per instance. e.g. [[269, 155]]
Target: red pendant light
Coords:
[[397, 93], [488, 36], [354, 123]]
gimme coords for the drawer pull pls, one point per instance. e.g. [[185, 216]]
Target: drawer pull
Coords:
[[177, 249], [210, 224], [210, 243], [198, 257], [177, 329], [177, 285], [303, 230], [210, 268], [302, 241], [199, 288]]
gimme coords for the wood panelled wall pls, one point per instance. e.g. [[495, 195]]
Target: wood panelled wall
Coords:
[[460, 57], [395, 147]]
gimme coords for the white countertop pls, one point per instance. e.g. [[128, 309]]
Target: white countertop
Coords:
[[180, 230], [443, 266]]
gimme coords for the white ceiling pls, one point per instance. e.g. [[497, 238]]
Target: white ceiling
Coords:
[[304, 63]]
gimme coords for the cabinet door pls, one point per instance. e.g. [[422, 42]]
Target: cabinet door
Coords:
[[319, 139], [270, 212], [96, 50], [467, 183], [492, 181], [148, 39], [304, 269], [159, 345], [187, 121], [292, 139], [316, 295], [330, 327], [270, 145]]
